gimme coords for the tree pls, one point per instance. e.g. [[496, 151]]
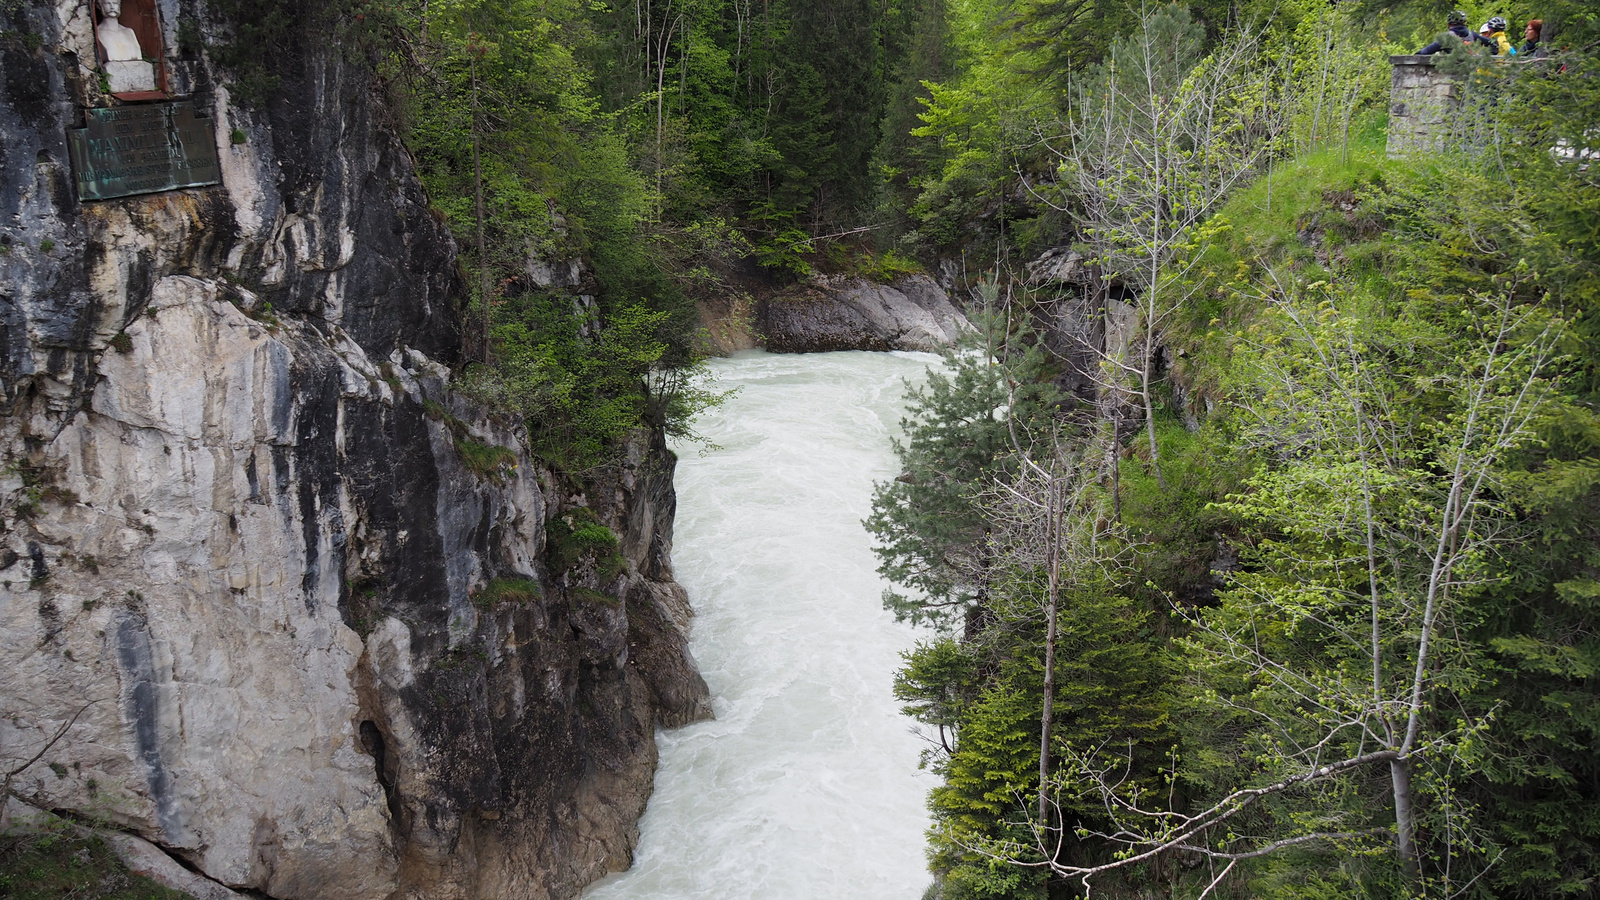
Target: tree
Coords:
[[931, 529], [1048, 519], [987, 696], [512, 146], [1160, 135], [1539, 783], [1337, 654], [998, 514]]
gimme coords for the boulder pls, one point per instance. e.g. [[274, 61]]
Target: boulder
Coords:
[[851, 313]]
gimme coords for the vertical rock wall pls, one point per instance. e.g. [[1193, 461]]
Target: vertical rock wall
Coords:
[[312, 651]]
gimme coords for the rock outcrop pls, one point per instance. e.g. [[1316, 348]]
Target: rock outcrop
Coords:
[[312, 613], [850, 313], [1083, 327]]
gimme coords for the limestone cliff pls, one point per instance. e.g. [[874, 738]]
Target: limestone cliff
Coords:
[[320, 647], [849, 313]]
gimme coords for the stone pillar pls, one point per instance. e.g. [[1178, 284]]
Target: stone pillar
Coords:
[[1422, 100]]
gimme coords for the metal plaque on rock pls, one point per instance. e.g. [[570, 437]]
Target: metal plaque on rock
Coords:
[[128, 150]]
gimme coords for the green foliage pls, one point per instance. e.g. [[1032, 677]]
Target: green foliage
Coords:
[[507, 107], [930, 530], [1399, 272], [1537, 785], [1419, 237], [579, 387], [55, 865], [984, 696], [587, 596], [939, 679], [578, 535], [1179, 526], [507, 591], [487, 460], [593, 536], [1340, 55], [783, 252], [889, 266]]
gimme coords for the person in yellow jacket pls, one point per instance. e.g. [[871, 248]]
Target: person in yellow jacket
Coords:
[[1495, 30]]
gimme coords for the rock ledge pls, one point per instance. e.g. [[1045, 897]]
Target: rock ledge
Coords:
[[851, 313]]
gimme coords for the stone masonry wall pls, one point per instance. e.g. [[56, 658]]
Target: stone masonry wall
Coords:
[[1422, 101]]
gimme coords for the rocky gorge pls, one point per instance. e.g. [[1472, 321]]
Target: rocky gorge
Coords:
[[294, 613]]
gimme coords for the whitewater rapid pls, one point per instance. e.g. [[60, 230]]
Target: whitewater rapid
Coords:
[[806, 785]]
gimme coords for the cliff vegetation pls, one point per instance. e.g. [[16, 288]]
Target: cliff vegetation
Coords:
[[1261, 512]]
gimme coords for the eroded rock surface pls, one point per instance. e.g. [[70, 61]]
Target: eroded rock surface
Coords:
[[311, 650], [848, 313]]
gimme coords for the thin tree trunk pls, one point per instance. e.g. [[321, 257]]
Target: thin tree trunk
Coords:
[[661, 72], [1116, 475], [1405, 821], [1151, 292], [477, 190], [1102, 294], [1053, 560], [1149, 407], [661, 97]]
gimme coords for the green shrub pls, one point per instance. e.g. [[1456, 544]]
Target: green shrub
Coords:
[[594, 536], [486, 460], [889, 266], [586, 596], [56, 865], [579, 534], [502, 591]]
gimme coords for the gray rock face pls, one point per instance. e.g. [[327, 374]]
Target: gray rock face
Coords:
[[847, 313], [239, 534], [1058, 265], [1092, 334]]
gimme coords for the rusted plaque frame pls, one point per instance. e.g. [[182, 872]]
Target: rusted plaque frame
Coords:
[[144, 149]]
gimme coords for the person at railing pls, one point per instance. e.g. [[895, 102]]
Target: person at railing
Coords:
[[1530, 45], [1456, 26], [1495, 31]]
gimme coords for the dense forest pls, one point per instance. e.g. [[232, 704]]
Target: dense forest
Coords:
[[1266, 541]]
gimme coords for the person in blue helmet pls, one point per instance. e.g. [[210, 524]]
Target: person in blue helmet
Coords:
[[1456, 26], [1495, 31]]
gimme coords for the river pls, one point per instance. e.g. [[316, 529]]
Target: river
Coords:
[[806, 785]]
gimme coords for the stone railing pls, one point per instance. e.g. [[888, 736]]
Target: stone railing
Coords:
[[1422, 103]]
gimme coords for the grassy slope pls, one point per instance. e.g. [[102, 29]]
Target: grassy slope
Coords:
[[55, 866]]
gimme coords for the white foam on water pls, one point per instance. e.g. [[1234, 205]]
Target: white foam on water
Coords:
[[805, 786]]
